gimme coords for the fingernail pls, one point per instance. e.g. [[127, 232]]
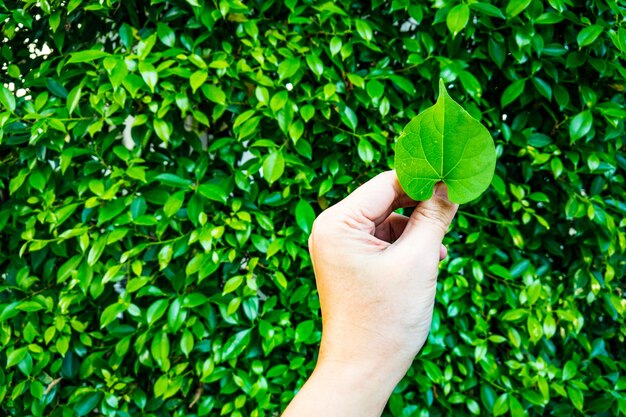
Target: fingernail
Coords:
[[441, 190]]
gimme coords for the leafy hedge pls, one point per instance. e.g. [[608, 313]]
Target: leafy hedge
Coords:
[[161, 163]]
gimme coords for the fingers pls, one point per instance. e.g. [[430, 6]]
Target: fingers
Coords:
[[376, 199], [392, 228], [443, 252], [430, 220]]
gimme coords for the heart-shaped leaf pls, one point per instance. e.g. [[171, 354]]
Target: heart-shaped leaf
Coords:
[[444, 143]]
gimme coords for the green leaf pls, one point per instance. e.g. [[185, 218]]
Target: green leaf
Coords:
[[457, 18], [7, 98], [110, 313], [335, 45], [580, 125], [515, 407], [214, 93], [487, 9], [501, 405], [173, 180], [162, 129], [273, 167], [588, 35], [304, 330], [73, 99], [87, 403], [165, 256], [576, 397], [288, 67], [236, 344], [156, 311], [149, 75], [305, 216], [197, 79], [213, 192], [315, 64], [87, 56], [444, 143], [375, 89], [542, 87], [174, 203], [433, 371], [16, 356], [513, 91], [364, 30], [56, 88], [166, 34], [515, 7]]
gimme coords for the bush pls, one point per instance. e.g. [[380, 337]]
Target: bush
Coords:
[[161, 164]]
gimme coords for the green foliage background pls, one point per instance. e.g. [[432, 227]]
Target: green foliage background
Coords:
[[161, 163]]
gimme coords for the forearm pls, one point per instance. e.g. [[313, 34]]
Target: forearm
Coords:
[[345, 390]]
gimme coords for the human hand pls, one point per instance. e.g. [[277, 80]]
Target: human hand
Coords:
[[376, 274]]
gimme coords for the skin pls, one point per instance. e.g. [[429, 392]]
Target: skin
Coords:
[[376, 274]]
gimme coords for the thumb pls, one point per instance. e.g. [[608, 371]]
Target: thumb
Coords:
[[430, 220]]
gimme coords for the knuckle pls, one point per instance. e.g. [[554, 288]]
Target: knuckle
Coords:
[[432, 216]]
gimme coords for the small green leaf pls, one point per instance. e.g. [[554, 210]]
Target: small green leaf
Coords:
[[588, 35], [305, 216], [288, 67], [273, 167], [87, 56], [214, 93], [375, 89], [580, 125], [335, 45], [7, 98], [457, 18], [166, 34], [444, 143], [576, 396], [149, 74], [197, 79], [515, 7], [213, 192], [156, 311], [501, 405], [304, 330], [364, 30], [487, 9], [512, 92], [315, 64]]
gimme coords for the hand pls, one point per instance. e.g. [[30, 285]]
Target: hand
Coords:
[[376, 274]]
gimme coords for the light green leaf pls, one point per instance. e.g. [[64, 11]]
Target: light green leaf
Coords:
[[335, 45], [162, 129], [166, 34], [516, 7], [305, 215], [273, 167], [214, 93], [444, 143], [512, 92], [580, 125], [7, 98], [149, 74], [73, 98], [197, 79], [364, 30], [315, 64], [288, 67], [588, 35], [457, 18], [87, 56]]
